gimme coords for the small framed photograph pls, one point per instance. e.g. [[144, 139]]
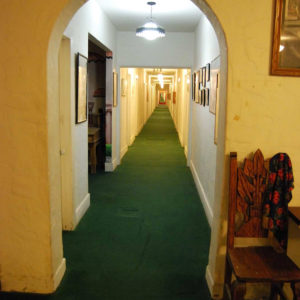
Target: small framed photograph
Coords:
[[207, 96], [216, 121], [194, 86], [203, 97], [81, 88], [214, 90], [115, 89], [199, 86], [208, 72], [201, 76], [204, 76]]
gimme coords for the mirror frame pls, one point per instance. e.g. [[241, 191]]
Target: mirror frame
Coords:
[[277, 22]]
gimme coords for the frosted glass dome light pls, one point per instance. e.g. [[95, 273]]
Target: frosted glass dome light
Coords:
[[150, 30]]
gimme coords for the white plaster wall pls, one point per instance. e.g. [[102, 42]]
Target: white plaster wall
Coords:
[[124, 113], [134, 111], [203, 149], [179, 109], [89, 19], [175, 50]]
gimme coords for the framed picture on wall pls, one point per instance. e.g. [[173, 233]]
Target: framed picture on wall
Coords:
[[208, 72], [206, 96], [203, 97], [193, 85], [216, 118], [204, 76], [115, 89], [285, 59], [214, 89], [201, 76], [196, 88], [81, 88]]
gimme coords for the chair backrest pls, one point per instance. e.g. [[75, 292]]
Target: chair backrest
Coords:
[[246, 191]]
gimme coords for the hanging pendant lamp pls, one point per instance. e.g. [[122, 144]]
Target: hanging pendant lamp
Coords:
[[150, 30]]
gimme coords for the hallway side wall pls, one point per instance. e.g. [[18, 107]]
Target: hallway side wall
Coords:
[[203, 150], [88, 20], [179, 107], [134, 107], [262, 111]]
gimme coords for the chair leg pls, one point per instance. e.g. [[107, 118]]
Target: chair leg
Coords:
[[228, 275], [276, 289], [238, 290], [296, 290]]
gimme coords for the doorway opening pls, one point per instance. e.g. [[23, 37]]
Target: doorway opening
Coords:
[[96, 94], [220, 150]]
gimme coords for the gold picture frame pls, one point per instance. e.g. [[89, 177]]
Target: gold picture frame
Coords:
[[285, 58], [81, 88]]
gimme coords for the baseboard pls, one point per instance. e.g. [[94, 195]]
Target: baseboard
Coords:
[[82, 208], [140, 129], [110, 167], [209, 280], [216, 290], [186, 151], [204, 200], [132, 140], [123, 151], [59, 274]]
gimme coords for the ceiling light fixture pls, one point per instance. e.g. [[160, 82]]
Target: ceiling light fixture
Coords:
[[161, 80], [150, 30]]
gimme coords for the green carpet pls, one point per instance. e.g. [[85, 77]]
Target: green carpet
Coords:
[[145, 235]]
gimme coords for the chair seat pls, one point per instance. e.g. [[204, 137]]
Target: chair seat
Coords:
[[256, 264]]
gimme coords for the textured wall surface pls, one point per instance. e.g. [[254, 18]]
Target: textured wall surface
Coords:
[[203, 150]]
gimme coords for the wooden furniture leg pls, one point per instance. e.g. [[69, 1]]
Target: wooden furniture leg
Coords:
[[275, 291], [228, 276], [93, 158], [296, 290], [238, 290]]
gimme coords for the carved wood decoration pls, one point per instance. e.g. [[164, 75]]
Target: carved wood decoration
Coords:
[[251, 185]]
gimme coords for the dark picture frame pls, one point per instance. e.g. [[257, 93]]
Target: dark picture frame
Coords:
[[208, 72], [285, 57], [199, 86], [204, 76], [201, 76], [81, 88], [207, 96], [203, 97], [193, 86]]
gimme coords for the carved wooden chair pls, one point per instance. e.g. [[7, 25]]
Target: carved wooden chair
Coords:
[[253, 264]]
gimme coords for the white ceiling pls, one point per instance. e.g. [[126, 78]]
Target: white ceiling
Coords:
[[173, 15]]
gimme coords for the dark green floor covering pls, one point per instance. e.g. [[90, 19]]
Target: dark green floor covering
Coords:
[[145, 235]]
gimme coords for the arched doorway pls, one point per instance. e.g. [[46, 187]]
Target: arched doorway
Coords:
[[42, 93], [219, 192]]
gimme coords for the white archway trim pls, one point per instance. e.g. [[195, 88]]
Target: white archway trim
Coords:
[[58, 262], [217, 261]]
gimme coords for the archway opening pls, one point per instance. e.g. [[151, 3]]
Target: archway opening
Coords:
[[53, 116]]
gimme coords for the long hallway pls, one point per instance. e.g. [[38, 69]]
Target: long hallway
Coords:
[[145, 235]]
